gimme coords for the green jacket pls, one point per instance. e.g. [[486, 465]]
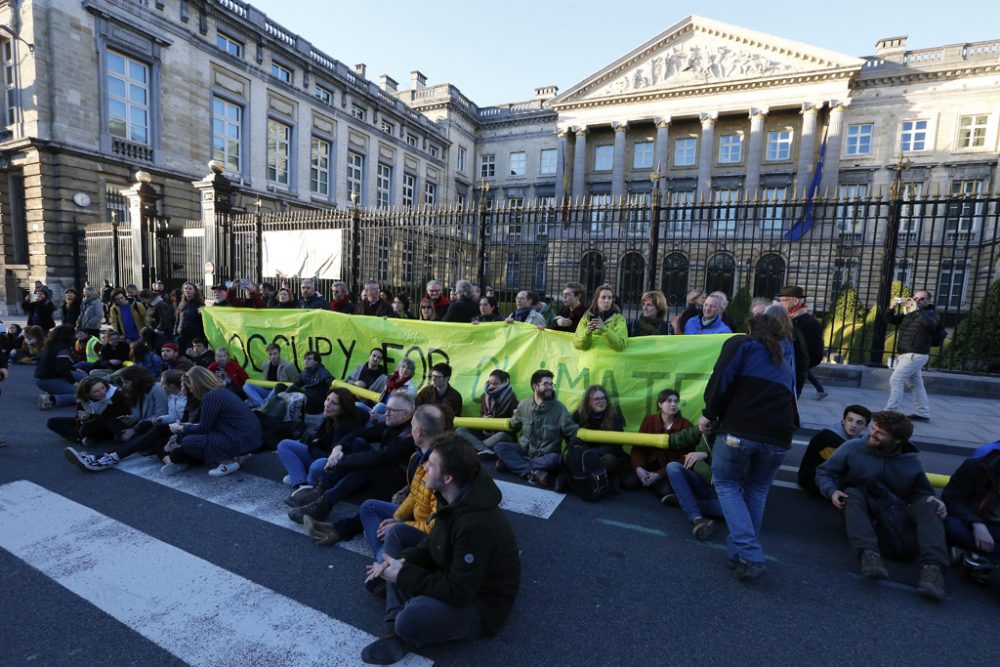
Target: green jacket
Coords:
[[691, 439], [615, 332], [470, 556], [543, 427]]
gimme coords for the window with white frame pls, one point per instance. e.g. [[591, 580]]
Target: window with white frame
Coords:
[[859, 139], [548, 161], [323, 95], [724, 215], [730, 148], [547, 217], [518, 164], [972, 131], [230, 45], [460, 200], [913, 136], [604, 157], [382, 258], [8, 70], [387, 127], [685, 152], [462, 159], [128, 98], [779, 145], [227, 133], [952, 279], [409, 260], [681, 209], [319, 167], [599, 212], [487, 165], [279, 149], [383, 185], [355, 176], [514, 218], [911, 210], [409, 189], [359, 112], [904, 271], [846, 271], [642, 155], [512, 273], [281, 73], [412, 141], [434, 151], [430, 193], [961, 211], [851, 213], [773, 211]]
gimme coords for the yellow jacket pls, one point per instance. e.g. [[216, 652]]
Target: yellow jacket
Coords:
[[615, 332], [420, 502]]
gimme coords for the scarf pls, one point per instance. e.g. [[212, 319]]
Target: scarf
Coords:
[[521, 314], [98, 407], [393, 383], [495, 396], [709, 322], [648, 326], [605, 315]]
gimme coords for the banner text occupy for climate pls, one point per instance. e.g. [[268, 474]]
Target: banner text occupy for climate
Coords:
[[634, 377]]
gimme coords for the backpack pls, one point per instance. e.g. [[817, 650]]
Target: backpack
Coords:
[[589, 478], [938, 335]]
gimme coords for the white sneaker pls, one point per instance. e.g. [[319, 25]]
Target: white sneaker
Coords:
[[287, 480], [173, 468], [224, 469], [45, 402]]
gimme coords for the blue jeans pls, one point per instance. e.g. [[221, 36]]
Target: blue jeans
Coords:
[[63, 392], [519, 463], [301, 466], [743, 473], [696, 497], [373, 512], [256, 394]]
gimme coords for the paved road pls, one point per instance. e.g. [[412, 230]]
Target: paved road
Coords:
[[128, 567]]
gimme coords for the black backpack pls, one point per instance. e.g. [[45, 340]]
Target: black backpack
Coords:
[[588, 476], [938, 335]]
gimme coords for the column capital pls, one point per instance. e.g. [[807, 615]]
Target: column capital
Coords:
[[811, 107], [619, 125], [579, 130], [708, 119], [839, 105], [562, 131], [662, 121], [758, 112]]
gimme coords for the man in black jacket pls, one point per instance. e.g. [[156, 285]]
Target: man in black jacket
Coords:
[[917, 323], [460, 582], [373, 304], [793, 299], [973, 521], [465, 308], [825, 443]]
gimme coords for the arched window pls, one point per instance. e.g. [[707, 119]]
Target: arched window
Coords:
[[674, 280], [769, 276], [592, 270], [631, 274], [720, 274]]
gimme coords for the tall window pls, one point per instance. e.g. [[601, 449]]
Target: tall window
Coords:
[[319, 167], [779, 145], [383, 185], [769, 275], [463, 158], [323, 95], [128, 98], [773, 218], [681, 210], [548, 161], [642, 155], [851, 213], [730, 148], [913, 136], [604, 157], [674, 279], [430, 193], [972, 131], [279, 147], [859, 139], [720, 273], [724, 218], [518, 164], [951, 283], [631, 274], [281, 73], [9, 73], [599, 212], [592, 270], [409, 189], [227, 133], [512, 274], [961, 211], [355, 176], [487, 165], [910, 212], [382, 264], [230, 45], [685, 152]]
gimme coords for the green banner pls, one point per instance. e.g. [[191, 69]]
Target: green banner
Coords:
[[634, 377]]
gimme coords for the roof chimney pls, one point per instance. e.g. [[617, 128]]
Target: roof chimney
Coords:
[[387, 83], [888, 46], [545, 92], [417, 80], [360, 69]]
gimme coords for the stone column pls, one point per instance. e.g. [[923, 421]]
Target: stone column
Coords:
[[214, 193], [618, 160], [563, 135], [707, 153], [755, 152], [660, 151], [834, 135], [142, 198], [580, 163], [807, 149]]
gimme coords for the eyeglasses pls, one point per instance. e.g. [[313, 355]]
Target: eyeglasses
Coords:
[[598, 398], [426, 307], [392, 411], [435, 376], [546, 385]]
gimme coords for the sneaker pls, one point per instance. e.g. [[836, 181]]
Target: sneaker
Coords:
[[45, 402], [287, 480], [486, 455], [820, 395], [540, 478], [871, 565], [977, 567], [324, 533], [87, 442], [173, 468], [747, 571], [931, 583], [82, 460], [303, 496], [702, 529], [561, 484], [385, 651], [243, 457], [224, 469], [318, 510], [918, 418], [670, 500]]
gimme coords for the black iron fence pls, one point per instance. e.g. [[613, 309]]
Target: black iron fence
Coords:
[[858, 254]]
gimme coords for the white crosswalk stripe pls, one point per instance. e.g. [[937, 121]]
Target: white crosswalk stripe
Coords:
[[199, 612]]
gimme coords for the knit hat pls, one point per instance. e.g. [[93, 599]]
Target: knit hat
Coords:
[[172, 346]]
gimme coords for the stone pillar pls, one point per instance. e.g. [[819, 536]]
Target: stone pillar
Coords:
[[580, 163], [707, 153], [660, 152], [142, 198], [834, 135], [755, 152], [563, 135], [807, 149], [618, 160], [214, 194]]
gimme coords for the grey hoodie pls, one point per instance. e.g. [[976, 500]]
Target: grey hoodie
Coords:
[[855, 464]]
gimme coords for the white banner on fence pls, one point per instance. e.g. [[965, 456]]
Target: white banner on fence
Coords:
[[306, 253]]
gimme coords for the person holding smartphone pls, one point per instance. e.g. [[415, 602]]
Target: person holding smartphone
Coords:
[[602, 320]]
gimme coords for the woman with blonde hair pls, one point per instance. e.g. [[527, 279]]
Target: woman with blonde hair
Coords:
[[604, 320], [650, 322], [695, 300]]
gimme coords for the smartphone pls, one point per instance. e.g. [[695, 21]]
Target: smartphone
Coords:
[[245, 284], [229, 284]]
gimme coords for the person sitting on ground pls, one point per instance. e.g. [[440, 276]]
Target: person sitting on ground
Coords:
[[91, 313], [127, 318], [189, 321], [373, 459], [229, 372], [371, 374], [489, 310], [13, 338], [822, 446], [100, 409], [461, 582], [651, 320], [710, 321], [54, 372], [569, 316], [160, 316], [691, 481], [401, 307], [225, 433], [465, 308], [649, 464], [426, 310], [342, 299], [285, 299], [200, 353], [389, 526], [149, 434], [866, 473], [602, 319], [305, 461], [372, 302], [87, 349], [973, 522], [70, 310], [597, 412], [275, 370], [544, 423], [436, 295], [147, 397], [440, 391], [113, 355], [400, 379], [498, 402], [524, 310], [172, 359], [314, 381], [30, 346], [310, 298], [140, 355]]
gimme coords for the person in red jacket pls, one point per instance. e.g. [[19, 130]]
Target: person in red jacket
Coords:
[[229, 372]]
